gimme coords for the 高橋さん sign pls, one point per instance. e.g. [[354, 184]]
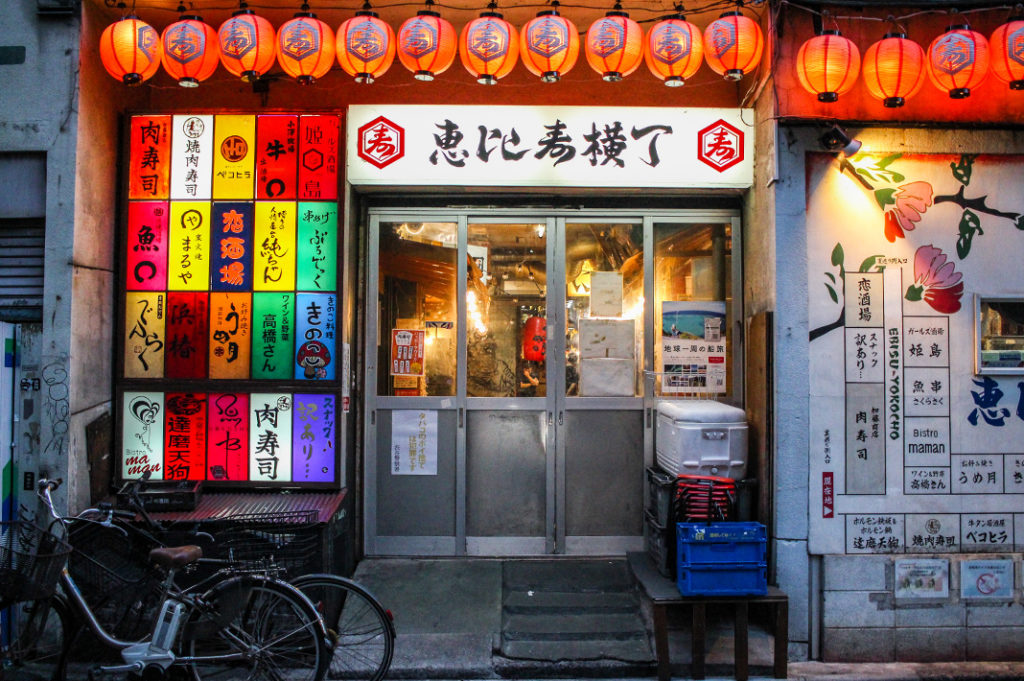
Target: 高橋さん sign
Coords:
[[550, 146]]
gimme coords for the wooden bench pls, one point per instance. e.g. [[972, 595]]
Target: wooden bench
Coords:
[[664, 594]]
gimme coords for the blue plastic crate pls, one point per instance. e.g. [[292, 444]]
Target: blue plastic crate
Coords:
[[723, 579], [713, 543]]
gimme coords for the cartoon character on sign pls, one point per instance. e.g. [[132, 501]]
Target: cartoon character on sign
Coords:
[[313, 357]]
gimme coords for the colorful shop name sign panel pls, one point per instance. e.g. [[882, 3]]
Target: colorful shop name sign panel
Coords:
[[550, 146], [913, 448], [232, 247], [230, 437]]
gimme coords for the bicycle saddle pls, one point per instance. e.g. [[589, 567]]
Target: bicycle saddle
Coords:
[[174, 557]]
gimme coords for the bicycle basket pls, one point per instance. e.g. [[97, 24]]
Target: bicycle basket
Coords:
[[31, 559], [110, 567], [291, 540]]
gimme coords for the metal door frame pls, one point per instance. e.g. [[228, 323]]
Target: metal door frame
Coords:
[[555, 403]]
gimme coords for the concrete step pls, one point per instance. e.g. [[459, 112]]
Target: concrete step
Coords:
[[564, 651], [567, 575], [573, 627], [559, 601]]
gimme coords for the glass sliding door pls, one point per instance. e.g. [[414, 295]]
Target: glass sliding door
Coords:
[[513, 366]]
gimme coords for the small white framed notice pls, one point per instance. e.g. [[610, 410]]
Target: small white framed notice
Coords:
[[987, 580], [922, 578]]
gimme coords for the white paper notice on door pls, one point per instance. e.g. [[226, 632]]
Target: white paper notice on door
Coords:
[[413, 442]]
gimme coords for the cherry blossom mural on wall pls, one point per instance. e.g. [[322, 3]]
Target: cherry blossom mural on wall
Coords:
[[936, 281]]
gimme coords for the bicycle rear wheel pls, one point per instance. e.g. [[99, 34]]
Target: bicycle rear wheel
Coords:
[[259, 628], [38, 651], [360, 630]]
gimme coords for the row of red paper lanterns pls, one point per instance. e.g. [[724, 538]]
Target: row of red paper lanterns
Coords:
[[894, 68], [489, 47]]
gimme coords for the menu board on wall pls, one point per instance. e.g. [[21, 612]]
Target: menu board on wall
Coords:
[[231, 274], [911, 451]]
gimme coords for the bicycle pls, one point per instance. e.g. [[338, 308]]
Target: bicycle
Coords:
[[361, 631], [34, 624], [234, 624]]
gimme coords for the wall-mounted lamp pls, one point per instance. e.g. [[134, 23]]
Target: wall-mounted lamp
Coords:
[[836, 139]]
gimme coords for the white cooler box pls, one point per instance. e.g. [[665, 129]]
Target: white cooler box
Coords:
[[701, 437]]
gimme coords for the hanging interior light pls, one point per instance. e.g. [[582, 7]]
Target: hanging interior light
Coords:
[[190, 51], [549, 44], [615, 45], [1007, 43], [894, 69], [674, 49], [827, 65], [958, 61], [427, 43], [489, 46], [733, 44], [305, 47], [365, 46], [130, 49], [247, 44]]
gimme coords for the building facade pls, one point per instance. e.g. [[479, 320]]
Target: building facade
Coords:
[[463, 304]]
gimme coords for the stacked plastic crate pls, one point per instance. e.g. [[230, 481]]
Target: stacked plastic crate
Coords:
[[722, 559]]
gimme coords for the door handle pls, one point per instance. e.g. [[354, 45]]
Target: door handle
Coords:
[[551, 418], [650, 421], [461, 416], [561, 415], [373, 417]]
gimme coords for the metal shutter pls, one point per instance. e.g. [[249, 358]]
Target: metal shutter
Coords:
[[21, 269]]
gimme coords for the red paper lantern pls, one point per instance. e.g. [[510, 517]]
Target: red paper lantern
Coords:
[[894, 69], [615, 45], [427, 44], [305, 47], [733, 45], [535, 339], [489, 47], [549, 45], [958, 61], [365, 46], [1007, 43], [247, 45], [674, 50], [130, 50], [190, 50], [827, 65]]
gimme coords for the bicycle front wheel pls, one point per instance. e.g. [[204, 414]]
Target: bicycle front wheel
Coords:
[[38, 648], [251, 627], [359, 629]]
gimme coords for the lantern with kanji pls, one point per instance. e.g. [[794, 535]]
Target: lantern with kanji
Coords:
[[190, 50], [489, 46], [827, 65], [427, 44], [130, 50], [247, 45], [365, 46], [1007, 44], [549, 45], [535, 339], [615, 45], [732, 45], [894, 69], [674, 50], [305, 47], [958, 61]]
